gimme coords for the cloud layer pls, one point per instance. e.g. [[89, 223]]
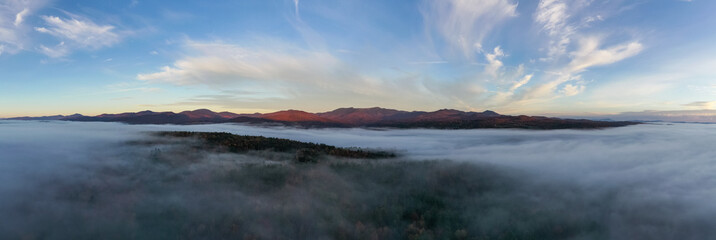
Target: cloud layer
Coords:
[[226, 64], [511, 56], [463, 24], [14, 35], [482, 73], [646, 181], [77, 33], [72, 33]]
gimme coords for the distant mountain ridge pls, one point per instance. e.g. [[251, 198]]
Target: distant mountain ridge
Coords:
[[347, 117]]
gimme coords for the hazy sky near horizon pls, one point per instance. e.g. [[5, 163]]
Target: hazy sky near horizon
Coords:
[[531, 57]]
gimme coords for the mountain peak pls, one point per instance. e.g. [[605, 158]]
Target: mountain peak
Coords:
[[348, 117], [446, 110], [201, 110], [208, 114], [292, 115], [490, 113], [361, 115]]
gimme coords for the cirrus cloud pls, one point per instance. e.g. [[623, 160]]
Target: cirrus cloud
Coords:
[[220, 63], [13, 30], [463, 24], [702, 104], [590, 54], [290, 76], [476, 78], [78, 32]]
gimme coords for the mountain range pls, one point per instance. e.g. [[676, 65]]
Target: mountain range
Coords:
[[347, 117]]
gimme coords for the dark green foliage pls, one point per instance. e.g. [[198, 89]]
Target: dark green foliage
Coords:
[[306, 155], [305, 152]]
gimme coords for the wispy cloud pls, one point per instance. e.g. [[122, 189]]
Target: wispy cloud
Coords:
[[572, 89], [463, 24], [698, 116], [591, 54], [295, 5], [289, 76], [78, 32], [526, 79], [13, 30], [19, 17], [552, 15], [57, 51], [221, 64], [493, 62], [310, 36], [568, 46], [570, 51], [702, 104]]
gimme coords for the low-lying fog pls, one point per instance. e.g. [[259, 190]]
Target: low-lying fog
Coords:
[[664, 171]]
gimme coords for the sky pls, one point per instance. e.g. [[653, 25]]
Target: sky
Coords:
[[551, 57]]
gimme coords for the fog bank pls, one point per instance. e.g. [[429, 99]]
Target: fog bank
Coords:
[[651, 181]]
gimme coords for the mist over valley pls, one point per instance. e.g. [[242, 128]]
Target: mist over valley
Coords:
[[82, 180]]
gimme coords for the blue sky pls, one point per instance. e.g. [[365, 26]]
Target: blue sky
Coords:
[[518, 57]]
